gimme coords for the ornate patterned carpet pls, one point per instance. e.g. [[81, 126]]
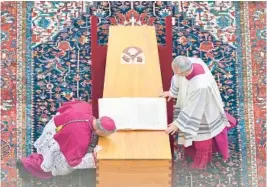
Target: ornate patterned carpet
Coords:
[[45, 59]]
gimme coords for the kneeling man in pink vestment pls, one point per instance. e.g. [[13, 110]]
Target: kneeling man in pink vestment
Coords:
[[202, 123], [64, 143]]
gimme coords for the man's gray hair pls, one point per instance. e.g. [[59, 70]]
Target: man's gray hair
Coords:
[[183, 63]]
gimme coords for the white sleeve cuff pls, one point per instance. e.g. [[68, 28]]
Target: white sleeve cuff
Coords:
[[88, 161]]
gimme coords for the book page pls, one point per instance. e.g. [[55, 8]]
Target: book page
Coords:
[[117, 109], [135, 113], [150, 113]]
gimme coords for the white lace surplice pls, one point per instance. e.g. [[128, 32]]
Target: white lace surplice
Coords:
[[201, 115], [54, 160]]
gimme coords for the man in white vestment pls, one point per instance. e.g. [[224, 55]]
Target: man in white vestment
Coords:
[[202, 122]]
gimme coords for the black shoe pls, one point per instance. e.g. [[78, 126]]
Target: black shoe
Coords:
[[26, 176]]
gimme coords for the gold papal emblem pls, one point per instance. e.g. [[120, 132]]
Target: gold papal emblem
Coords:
[[132, 55]]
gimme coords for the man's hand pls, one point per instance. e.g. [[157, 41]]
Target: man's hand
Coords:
[[172, 129], [95, 154], [166, 94], [96, 149]]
